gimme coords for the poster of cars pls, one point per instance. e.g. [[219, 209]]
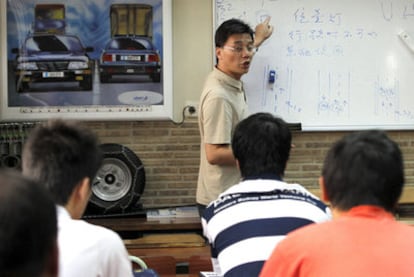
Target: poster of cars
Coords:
[[104, 59]]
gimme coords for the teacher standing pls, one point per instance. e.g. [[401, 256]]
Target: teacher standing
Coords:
[[223, 105]]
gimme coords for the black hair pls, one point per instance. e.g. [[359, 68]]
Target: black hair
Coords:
[[261, 143], [364, 168], [59, 154], [229, 28], [28, 226]]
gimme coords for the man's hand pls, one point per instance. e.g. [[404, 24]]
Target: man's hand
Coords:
[[262, 32]]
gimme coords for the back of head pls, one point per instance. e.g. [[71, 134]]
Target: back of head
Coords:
[[231, 27], [261, 143], [59, 154], [28, 226], [364, 168]]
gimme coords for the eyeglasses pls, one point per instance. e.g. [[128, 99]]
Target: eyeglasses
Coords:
[[239, 49]]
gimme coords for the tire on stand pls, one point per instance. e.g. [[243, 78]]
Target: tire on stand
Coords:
[[119, 183]]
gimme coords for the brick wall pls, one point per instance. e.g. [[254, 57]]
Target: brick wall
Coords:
[[170, 154]]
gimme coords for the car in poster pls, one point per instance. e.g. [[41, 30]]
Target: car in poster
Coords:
[[130, 55], [52, 58]]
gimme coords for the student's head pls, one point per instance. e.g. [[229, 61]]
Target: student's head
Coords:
[[234, 47], [61, 154], [261, 144], [28, 228], [363, 168]]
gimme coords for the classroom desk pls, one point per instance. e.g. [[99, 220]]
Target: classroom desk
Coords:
[[191, 224], [182, 252], [179, 238]]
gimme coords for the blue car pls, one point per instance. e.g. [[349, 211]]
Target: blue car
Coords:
[[53, 58], [130, 55]]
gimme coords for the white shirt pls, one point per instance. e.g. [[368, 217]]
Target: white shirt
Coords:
[[87, 250]]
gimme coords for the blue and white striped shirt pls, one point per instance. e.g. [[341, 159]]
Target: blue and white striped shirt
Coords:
[[246, 222]]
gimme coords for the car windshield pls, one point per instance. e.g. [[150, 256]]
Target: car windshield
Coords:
[[129, 44], [53, 43]]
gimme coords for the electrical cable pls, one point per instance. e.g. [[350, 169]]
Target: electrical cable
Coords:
[[190, 109]]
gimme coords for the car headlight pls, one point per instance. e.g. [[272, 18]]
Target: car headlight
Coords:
[[27, 66], [78, 65]]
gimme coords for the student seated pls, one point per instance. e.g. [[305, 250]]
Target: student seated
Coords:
[[362, 178], [247, 220], [64, 156], [28, 228]]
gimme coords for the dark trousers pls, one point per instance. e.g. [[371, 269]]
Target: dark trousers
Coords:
[[201, 209]]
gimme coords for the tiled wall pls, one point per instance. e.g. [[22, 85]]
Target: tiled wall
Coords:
[[170, 154]]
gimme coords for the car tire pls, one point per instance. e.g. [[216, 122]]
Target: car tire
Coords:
[[104, 78], [120, 181], [11, 161], [87, 83], [22, 86], [156, 77]]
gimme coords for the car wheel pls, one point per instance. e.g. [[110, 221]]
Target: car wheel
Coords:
[[156, 77], [11, 161], [104, 78], [22, 86], [120, 181], [86, 84]]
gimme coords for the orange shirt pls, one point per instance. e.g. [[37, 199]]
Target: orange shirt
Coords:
[[366, 241]]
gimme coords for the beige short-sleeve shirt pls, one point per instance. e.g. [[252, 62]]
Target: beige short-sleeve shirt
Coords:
[[222, 106]]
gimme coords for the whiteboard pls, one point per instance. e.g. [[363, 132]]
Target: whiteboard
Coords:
[[339, 65]]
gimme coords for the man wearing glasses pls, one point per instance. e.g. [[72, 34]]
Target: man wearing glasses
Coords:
[[223, 105]]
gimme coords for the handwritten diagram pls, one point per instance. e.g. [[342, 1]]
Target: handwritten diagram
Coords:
[[338, 64]]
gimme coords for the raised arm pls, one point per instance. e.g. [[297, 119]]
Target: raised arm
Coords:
[[262, 32]]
